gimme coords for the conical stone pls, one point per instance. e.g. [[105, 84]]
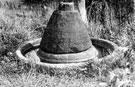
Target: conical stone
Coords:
[[65, 32]]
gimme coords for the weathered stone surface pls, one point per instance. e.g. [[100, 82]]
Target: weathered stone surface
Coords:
[[65, 33]]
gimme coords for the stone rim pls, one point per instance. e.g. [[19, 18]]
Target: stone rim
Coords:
[[34, 44]]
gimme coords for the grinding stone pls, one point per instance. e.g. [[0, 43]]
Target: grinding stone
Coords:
[[65, 33]]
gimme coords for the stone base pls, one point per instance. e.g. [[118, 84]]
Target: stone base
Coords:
[[68, 58], [88, 56]]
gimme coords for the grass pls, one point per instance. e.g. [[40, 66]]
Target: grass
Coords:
[[20, 25]]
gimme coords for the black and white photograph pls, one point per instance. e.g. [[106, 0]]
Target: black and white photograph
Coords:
[[67, 43]]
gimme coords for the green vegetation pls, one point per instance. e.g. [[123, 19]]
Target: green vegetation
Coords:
[[22, 23]]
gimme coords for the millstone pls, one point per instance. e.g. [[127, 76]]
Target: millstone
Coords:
[[66, 43], [65, 32]]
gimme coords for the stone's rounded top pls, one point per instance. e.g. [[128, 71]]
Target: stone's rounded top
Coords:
[[65, 33], [66, 6]]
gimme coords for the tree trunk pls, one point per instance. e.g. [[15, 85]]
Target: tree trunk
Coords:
[[82, 10]]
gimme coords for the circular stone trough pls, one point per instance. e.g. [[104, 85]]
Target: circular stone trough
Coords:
[[66, 42], [105, 49]]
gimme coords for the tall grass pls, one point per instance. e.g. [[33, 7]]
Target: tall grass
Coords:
[[112, 20]]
